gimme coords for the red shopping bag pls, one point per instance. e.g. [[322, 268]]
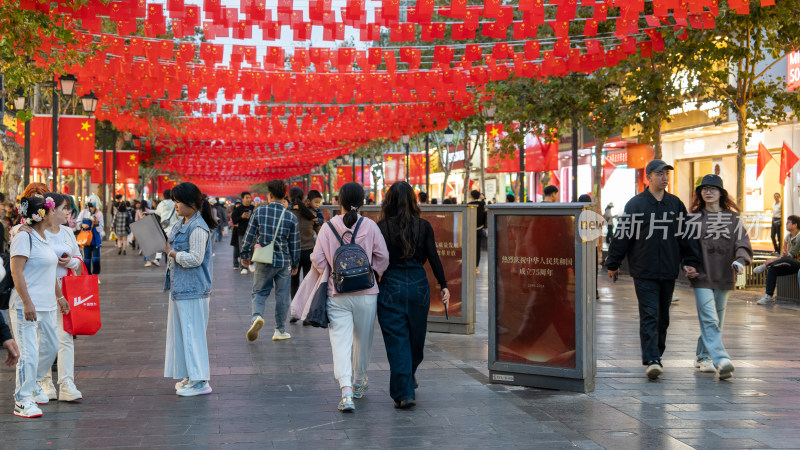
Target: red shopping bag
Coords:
[[83, 295]]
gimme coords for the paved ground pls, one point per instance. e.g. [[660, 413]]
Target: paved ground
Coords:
[[283, 395]]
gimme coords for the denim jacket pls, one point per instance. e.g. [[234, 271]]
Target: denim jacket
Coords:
[[193, 283]]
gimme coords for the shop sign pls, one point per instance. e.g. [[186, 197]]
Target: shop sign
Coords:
[[618, 158], [793, 71]]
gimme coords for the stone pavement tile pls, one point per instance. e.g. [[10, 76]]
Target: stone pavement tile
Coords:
[[713, 444]]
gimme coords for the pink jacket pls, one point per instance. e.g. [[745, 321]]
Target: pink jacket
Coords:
[[369, 238]]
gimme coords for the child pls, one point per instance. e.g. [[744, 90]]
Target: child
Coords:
[[314, 201]]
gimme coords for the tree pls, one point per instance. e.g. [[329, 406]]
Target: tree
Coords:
[[732, 64]]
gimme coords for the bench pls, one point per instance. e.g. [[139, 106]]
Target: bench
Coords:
[[787, 289]]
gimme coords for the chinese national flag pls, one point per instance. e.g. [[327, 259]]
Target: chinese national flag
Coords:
[[394, 168], [788, 160], [76, 142], [318, 183], [41, 140], [764, 156], [164, 183], [97, 167], [416, 168], [608, 169], [344, 174], [127, 166]]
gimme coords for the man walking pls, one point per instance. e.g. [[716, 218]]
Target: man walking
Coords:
[[272, 223], [481, 225], [649, 235], [241, 218]]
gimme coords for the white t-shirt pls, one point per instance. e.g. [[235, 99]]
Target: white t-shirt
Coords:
[[64, 242], [39, 271], [776, 211]]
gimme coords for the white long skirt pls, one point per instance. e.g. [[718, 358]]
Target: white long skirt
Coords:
[[187, 345]]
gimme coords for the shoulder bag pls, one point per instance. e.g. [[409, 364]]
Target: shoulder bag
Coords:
[[266, 254]]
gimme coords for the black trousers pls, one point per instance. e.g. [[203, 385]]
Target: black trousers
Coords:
[[775, 235], [305, 266], [783, 266], [655, 297], [478, 243]]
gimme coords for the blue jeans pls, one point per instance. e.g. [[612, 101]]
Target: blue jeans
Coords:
[[264, 277], [403, 304], [711, 312], [91, 257]]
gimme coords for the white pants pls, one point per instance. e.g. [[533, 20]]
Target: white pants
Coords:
[[187, 346], [38, 345], [66, 355], [352, 320]]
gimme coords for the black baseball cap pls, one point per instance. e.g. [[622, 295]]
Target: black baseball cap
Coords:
[[711, 180], [657, 165]]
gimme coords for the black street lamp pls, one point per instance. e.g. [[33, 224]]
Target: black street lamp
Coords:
[[19, 105], [406, 139], [67, 88], [89, 102]]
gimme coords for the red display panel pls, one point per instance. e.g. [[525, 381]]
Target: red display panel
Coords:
[[447, 232], [536, 290]]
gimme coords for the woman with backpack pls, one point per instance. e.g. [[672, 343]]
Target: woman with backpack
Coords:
[[405, 295], [351, 312], [189, 274], [34, 306]]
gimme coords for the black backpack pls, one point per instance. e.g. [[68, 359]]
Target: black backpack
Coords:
[[351, 269], [7, 283]]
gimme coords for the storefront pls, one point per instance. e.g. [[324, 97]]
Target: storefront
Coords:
[[712, 150]]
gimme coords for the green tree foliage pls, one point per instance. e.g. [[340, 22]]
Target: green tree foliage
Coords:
[[733, 64]]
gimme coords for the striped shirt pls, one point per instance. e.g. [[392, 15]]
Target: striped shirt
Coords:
[[261, 230]]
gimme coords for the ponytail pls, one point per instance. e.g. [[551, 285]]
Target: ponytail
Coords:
[[205, 212], [351, 197]]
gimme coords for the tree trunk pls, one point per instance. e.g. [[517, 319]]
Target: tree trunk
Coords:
[[598, 173], [13, 156], [741, 147], [467, 166], [657, 139]]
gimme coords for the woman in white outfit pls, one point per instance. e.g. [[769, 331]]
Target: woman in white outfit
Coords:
[[34, 303], [352, 314], [62, 240]]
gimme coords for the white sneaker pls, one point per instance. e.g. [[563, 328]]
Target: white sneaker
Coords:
[[193, 388], [675, 298], [346, 404], [279, 336], [760, 269], [255, 327], [705, 366], [251, 268], [766, 300], [725, 369], [243, 272], [148, 264], [654, 371], [67, 392], [156, 263], [39, 396], [49, 389], [27, 409], [181, 384]]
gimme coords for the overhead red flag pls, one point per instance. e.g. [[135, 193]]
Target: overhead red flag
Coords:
[[788, 160], [608, 169], [76, 142], [41, 140], [764, 156]]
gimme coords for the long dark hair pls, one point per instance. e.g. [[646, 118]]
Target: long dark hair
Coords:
[[400, 206], [351, 197], [189, 194], [725, 201], [296, 197]]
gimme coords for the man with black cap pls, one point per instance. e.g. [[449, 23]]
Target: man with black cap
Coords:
[[650, 235]]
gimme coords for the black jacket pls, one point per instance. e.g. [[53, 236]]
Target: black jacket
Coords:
[[5, 333], [653, 257], [481, 213]]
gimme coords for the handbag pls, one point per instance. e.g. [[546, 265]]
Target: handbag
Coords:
[[318, 312], [83, 295], [84, 238], [112, 236], [266, 254]]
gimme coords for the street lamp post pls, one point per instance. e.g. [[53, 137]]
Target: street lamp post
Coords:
[[406, 139], [574, 163], [19, 105], [67, 87], [449, 135]]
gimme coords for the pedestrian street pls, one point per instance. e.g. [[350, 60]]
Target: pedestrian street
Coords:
[[283, 394]]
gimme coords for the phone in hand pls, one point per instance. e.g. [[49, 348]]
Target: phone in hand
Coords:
[[64, 255]]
